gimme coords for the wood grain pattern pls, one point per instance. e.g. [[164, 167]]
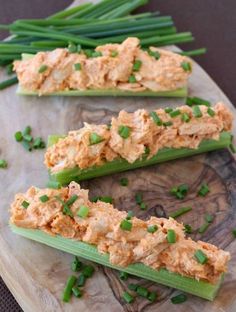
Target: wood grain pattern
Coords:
[[36, 274]]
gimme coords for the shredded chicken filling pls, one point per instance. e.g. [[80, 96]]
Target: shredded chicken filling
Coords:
[[76, 150], [101, 226], [114, 67]]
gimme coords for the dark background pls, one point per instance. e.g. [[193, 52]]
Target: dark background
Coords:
[[213, 23]]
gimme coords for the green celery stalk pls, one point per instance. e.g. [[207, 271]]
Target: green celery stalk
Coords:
[[119, 165], [202, 289]]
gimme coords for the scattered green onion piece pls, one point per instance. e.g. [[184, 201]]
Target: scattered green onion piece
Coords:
[[188, 229], [76, 265], [171, 237], [3, 163], [152, 296], [94, 138], [204, 190], [72, 199], [44, 198], [7, 83], [96, 54], [137, 65], [168, 110], [27, 131], [18, 136], [27, 145], [146, 151], [156, 118], [68, 289], [209, 218], [167, 123], [210, 112], [77, 66], [28, 138], [132, 79], [179, 299], [180, 212], [234, 232], [183, 188], [130, 215], [132, 287], [88, 52], [81, 280], [25, 204], [88, 271], [197, 101], [77, 292], [143, 206], [42, 69], [186, 66], [200, 256], [139, 198], [126, 225], [185, 117], [9, 69], [142, 291], [83, 211], [203, 228], [66, 210], [39, 143], [175, 113], [124, 181], [114, 53], [152, 228], [127, 297], [124, 131], [72, 47], [54, 185], [106, 199], [197, 112], [154, 54], [123, 276]]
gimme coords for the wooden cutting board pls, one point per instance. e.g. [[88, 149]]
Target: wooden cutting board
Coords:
[[36, 274]]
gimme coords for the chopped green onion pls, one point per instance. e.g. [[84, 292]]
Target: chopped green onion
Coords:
[[168, 110], [137, 65], [234, 232], [83, 211], [197, 101], [196, 111], [139, 198], [9, 69], [123, 276], [76, 265], [180, 212], [38, 143], [185, 117], [156, 118], [154, 54], [209, 218], [42, 69], [54, 185], [28, 137], [126, 225], [152, 228], [188, 229], [27, 131], [143, 206], [142, 291], [81, 280], [72, 47], [130, 215], [200, 256], [132, 79], [68, 289], [7, 83], [77, 292], [210, 112], [18, 136], [183, 188], [180, 192], [203, 228], [179, 299], [72, 200], [175, 113], [88, 271], [3, 163], [88, 52], [146, 151], [44, 198], [66, 210], [77, 66], [186, 66], [25, 204], [132, 287], [106, 199], [124, 131], [167, 123], [124, 181], [94, 138], [114, 53], [152, 296], [127, 297], [204, 190], [96, 54], [171, 237]]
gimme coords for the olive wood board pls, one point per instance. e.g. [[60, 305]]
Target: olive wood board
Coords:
[[36, 274]]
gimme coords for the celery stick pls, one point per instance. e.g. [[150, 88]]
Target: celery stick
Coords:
[[119, 165], [202, 289]]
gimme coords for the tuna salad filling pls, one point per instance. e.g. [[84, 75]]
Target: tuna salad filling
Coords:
[[157, 242], [122, 66], [132, 135]]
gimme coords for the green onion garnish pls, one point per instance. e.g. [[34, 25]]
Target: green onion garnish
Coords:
[[83, 211], [132, 287], [185, 117], [68, 289], [210, 112], [146, 151], [197, 112], [171, 237], [72, 47], [18, 136], [25, 204], [76, 265], [126, 225], [152, 296], [38, 143], [88, 52], [123, 276], [204, 189], [167, 123], [132, 79], [168, 110], [124, 131], [175, 113], [180, 191], [96, 54], [127, 297], [27, 130], [143, 206], [139, 198], [66, 210], [209, 218], [77, 66], [114, 53], [44, 198], [124, 181], [94, 138], [179, 299], [200, 256], [197, 101], [186, 66], [72, 199], [152, 228], [203, 228], [42, 69], [88, 271], [130, 215], [156, 118], [234, 232], [81, 280], [105, 199], [188, 229], [137, 65], [3, 163], [28, 137], [142, 291], [77, 292], [180, 212], [154, 54], [54, 185]]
